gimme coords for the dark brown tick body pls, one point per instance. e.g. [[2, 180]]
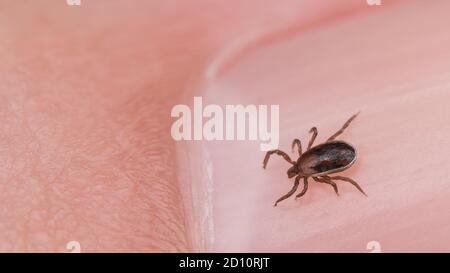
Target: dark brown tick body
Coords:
[[317, 162]]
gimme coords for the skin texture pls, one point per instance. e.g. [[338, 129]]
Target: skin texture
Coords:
[[85, 149]]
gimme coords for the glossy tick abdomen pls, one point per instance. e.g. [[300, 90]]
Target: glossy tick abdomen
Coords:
[[327, 158], [317, 162]]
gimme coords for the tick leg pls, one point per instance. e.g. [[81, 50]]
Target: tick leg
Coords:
[[351, 181], [327, 180], [305, 188], [346, 124], [278, 152], [313, 137], [291, 192], [299, 146]]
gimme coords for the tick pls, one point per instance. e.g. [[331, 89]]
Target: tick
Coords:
[[319, 161]]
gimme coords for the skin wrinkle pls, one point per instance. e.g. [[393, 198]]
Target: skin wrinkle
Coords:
[[143, 192], [45, 207], [87, 163], [159, 164]]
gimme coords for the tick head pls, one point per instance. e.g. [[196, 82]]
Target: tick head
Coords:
[[293, 171]]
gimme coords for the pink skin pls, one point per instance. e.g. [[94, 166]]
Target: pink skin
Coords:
[[85, 149]]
